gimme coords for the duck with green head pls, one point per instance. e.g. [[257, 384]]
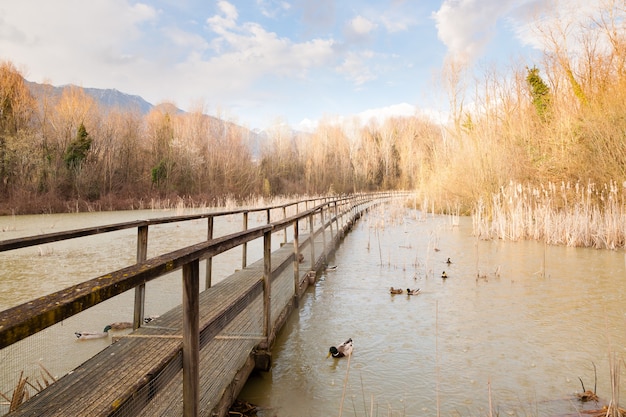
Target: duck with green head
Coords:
[[344, 349], [93, 335]]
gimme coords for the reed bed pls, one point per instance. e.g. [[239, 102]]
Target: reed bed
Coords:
[[567, 214]]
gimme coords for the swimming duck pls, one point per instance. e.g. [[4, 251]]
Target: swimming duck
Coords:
[[448, 261], [412, 292], [344, 349], [444, 275], [121, 325], [93, 335], [395, 290]]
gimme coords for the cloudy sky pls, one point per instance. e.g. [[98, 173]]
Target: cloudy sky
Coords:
[[259, 62]]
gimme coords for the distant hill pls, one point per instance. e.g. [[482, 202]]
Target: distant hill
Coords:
[[107, 98], [112, 98]]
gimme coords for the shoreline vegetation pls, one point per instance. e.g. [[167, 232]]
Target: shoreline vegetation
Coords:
[[539, 154]]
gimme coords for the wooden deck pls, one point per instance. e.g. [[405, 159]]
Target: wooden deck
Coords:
[[141, 374]]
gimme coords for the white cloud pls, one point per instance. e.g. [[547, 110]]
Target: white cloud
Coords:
[[354, 67], [361, 26], [379, 115], [466, 26]]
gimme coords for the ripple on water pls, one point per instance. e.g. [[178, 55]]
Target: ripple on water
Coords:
[[521, 332]]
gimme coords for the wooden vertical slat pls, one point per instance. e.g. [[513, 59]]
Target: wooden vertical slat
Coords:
[[284, 217], [191, 338], [209, 262], [244, 248], [140, 290], [330, 221], [296, 266], [312, 239], [267, 287], [323, 230]]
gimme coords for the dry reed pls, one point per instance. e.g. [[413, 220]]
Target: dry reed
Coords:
[[566, 214]]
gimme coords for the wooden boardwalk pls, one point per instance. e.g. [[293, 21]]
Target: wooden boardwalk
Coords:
[[141, 373]]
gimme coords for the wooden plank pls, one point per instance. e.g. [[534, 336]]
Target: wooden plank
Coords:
[[142, 374]]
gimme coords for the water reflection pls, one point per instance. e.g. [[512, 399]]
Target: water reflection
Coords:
[[515, 321]]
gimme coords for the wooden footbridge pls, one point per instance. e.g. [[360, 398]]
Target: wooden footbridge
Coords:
[[194, 359]]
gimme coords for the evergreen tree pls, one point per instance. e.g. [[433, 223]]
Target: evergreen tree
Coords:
[[539, 91]]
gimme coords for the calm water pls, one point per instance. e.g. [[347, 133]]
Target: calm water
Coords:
[[501, 323], [526, 329]]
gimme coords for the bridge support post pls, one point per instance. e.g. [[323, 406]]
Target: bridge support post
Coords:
[[191, 338]]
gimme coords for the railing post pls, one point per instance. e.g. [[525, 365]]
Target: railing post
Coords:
[[209, 262], [244, 249], [323, 228], [267, 287], [312, 240], [191, 338], [330, 218], [284, 217], [269, 219], [140, 290], [296, 261]]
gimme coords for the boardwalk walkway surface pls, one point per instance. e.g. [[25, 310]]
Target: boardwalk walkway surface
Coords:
[[141, 373]]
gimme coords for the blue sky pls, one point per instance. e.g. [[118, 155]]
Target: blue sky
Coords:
[[262, 62]]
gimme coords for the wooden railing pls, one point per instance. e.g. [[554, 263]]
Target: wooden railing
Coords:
[[27, 319]]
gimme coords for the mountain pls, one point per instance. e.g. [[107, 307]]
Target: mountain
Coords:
[[115, 98], [106, 98], [112, 98]]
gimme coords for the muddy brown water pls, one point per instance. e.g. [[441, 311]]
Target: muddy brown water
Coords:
[[515, 324]]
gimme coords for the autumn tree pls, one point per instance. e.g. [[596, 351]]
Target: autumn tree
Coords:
[[16, 110]]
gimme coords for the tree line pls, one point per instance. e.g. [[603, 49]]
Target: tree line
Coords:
[[557, 120], [62, 151]]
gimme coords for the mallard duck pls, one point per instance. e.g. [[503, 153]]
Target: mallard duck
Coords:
[[412, 292], [121, 325], [444, 275], [344, 349], [93, 335], [395, 290]]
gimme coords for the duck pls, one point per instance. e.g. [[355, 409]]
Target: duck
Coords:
[[344, 349], [448, 261], [444, 275], [395, 290], [93, 335], [412, 292], [121, 325]]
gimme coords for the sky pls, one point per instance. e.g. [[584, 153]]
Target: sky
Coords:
[[266, 62]]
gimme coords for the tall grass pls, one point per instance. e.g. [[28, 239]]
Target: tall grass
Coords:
[[566, 214]]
